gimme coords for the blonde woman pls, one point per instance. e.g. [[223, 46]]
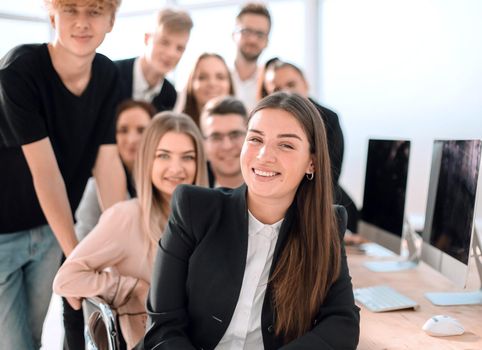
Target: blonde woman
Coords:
[[115, 260]]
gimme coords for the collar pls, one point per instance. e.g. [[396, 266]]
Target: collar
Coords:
[[240, 206], [256, 227], [252, 79], [140, 84]]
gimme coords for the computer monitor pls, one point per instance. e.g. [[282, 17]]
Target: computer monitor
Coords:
[[383, 208], [448, 236], [383, 212]]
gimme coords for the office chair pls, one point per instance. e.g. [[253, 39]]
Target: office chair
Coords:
[[100, 325]]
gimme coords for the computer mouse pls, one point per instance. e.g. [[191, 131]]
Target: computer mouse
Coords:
[[443, 326]]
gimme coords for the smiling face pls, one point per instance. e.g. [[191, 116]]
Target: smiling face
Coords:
[[130, 126], [251, 35], [286, 79], [211, 79], [275, 156], [224, 136], [174, 163], [81, 28], [164, 49]]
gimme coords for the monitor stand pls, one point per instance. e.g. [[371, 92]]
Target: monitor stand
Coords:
[[408, 259], [462, 298]]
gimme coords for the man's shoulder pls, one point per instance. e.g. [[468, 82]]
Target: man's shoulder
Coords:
[[22, 57], [168, 86], [105, 75], [125, 63], [103, 62]]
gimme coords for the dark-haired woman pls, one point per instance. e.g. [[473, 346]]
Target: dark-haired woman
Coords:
[[261, 266]]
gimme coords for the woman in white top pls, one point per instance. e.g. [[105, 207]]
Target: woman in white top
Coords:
[[261, 266], [115, 260]]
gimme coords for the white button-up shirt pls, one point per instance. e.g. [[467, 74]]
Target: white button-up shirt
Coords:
[[244, 331], [245, 90], [140, 87]]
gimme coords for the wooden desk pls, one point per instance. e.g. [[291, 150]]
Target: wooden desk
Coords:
[[403, 329]]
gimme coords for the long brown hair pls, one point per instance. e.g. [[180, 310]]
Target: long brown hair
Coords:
[[191, 107], [310, 261], [261, 91], [151, 202]]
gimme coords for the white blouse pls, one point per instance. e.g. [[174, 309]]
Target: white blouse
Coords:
[[244, 331]]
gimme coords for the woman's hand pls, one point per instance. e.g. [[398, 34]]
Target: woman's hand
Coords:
[[136, 301], [76, 303]]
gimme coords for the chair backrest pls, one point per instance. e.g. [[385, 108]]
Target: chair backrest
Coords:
[[100, 325]]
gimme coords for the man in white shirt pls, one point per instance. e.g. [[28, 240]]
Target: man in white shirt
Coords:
[[144, 76], [253, 25]]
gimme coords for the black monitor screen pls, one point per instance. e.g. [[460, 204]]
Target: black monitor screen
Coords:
[[385, 184], [453, 214]]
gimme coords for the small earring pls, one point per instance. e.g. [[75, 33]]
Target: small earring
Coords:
[[310, 176]]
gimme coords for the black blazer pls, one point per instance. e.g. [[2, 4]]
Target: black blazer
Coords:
[[166, 99], [199, 270]]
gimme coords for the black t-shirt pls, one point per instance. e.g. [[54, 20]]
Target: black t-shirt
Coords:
[[34, 104]]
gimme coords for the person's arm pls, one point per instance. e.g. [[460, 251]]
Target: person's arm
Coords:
[[166, 302], [51, 192], [109, 176], [88, 212], [90, 269]]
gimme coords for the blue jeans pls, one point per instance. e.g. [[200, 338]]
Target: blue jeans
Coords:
[[29, 261]]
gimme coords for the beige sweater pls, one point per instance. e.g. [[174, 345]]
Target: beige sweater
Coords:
[[112, 263]]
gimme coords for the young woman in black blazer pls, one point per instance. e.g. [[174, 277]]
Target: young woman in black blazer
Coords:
[[211, 290]]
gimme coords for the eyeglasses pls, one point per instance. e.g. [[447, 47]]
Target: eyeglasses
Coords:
[[252, 32], [218, 137]]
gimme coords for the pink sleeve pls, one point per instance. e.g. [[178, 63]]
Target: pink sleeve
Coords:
[[91, 268]]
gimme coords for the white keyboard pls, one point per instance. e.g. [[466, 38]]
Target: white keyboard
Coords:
[[383, 298]]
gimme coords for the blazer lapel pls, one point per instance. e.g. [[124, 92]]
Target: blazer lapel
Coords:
[[230, 249], [239, 237]]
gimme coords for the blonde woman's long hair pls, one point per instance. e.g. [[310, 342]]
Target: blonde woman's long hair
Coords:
[[152, 203]]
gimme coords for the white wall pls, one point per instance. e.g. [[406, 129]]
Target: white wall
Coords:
[[401, 69]]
